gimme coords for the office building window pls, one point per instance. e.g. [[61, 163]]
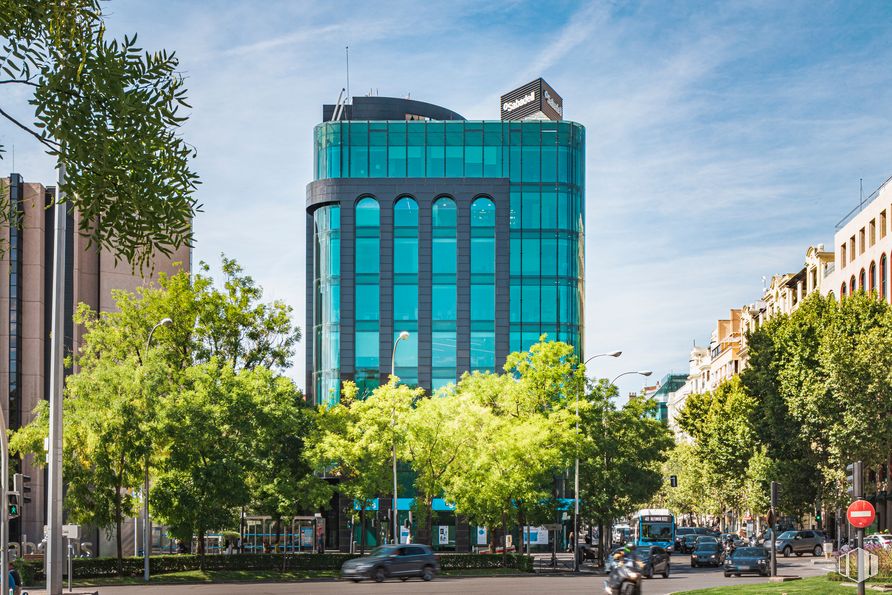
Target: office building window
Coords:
[[444, 310], [483, 286], [405, 287], [327, 304], [367, 283]]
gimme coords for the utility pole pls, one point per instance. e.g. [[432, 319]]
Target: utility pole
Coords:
[[855, 477], [4, 516], [55, 557]]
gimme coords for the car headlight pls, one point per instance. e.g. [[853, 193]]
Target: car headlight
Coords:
[[634, 575], [713, 556]]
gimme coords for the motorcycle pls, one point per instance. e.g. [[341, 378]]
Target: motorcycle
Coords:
[[625, 578]]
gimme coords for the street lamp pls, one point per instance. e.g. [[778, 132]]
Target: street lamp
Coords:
[[576, 474], [147, 523], [404, 336], [639, 372]]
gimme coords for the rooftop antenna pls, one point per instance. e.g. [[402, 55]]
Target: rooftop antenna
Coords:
[[347, 51], [861, 183]]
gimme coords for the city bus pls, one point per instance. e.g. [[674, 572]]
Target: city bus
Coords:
[[655, 526]]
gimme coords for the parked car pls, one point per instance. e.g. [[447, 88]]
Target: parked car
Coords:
[[878, 540], [393, 561], [747, 559], [655, 560], [707, 554], [800, 542]]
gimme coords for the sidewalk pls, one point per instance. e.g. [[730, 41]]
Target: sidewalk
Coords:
[[543, 564]]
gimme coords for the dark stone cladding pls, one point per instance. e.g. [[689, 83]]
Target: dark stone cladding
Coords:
[[389, 108], [345, 192]]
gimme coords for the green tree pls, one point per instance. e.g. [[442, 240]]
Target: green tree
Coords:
[[354, 442], [111, 114]]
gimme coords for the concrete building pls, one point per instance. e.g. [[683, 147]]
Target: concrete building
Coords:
[[695, 383], [863, 244], [26, 274]]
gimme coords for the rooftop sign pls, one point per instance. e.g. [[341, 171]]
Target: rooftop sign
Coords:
[[534, 101]]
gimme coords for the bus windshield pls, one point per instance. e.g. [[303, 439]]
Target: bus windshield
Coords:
[[656, 531]]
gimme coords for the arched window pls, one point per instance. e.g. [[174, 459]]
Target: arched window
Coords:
[[405, 287], [884, 278], [368, 290], [862, 281], [852, 285], [483, 284], [842, 291], [444, 296], [873, 277]]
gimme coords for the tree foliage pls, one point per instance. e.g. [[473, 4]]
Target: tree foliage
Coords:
[[816, 395], [110, 112]]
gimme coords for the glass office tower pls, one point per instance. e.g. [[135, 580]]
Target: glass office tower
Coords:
[[466, 234]]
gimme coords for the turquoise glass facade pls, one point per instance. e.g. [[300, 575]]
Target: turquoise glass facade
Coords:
[[544, 164]]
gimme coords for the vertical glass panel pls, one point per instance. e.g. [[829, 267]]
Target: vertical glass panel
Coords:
[[405, 302], [443, 351], [368, 213], [415, 162], [549, 255], [367, 349], [530, 256], [483, 302], [359, 161], [367, 260], [377, 161], [515, 304], [529, 303], [444, 213], [549, 159], [483, 255], [530, 209], [444, 256], [367, 301], [492, 166], [515, 207], [436, 161], [549, 304], [396, 156], [443, 302], [549, 210], [455, 160], [531, 164], [483, 350], [406, 252], [326, 303], [515, 256], [473, 162]]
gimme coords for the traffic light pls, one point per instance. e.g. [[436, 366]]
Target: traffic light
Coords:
[[21, 483], [673, 481], [12, 499], [854, 476]]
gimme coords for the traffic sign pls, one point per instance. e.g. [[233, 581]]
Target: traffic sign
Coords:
[[861, 514]]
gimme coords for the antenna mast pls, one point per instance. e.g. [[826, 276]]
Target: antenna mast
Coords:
[[347, 51]]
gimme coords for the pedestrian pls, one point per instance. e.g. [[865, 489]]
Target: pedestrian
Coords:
[[14, 587]]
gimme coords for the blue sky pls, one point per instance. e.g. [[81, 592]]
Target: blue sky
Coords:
[[723, 138]]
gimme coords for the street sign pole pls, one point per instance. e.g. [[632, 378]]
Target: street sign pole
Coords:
[[775, 492], [861, 562]]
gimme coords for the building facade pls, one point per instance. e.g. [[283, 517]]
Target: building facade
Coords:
[[468, 235], [26, 274], [863, 242]]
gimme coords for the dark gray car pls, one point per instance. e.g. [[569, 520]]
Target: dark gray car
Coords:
[[800, 542], [393, 561]]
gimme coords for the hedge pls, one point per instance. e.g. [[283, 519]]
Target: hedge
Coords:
[[164, 564]]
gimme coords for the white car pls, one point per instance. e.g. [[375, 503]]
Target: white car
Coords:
[[879, 540]]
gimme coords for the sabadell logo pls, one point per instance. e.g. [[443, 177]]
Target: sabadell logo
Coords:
[[520, 101]]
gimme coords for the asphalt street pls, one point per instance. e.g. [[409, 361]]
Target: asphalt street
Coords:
[[682, 578]]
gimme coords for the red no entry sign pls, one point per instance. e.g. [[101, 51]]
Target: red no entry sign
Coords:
[[861, 514]]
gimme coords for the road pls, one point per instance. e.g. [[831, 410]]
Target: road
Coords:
[[682, 578]]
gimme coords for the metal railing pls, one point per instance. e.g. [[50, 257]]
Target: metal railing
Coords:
[[861, 206]]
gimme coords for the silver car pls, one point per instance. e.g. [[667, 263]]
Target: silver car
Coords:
[[800, 542]]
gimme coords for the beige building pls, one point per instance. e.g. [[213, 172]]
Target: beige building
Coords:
[[863, 242], [698, 375], [724, 350], [26, 272]]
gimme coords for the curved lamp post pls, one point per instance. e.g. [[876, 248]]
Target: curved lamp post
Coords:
[[404, 336], [576, 473], [639, 372], [147, 523]]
